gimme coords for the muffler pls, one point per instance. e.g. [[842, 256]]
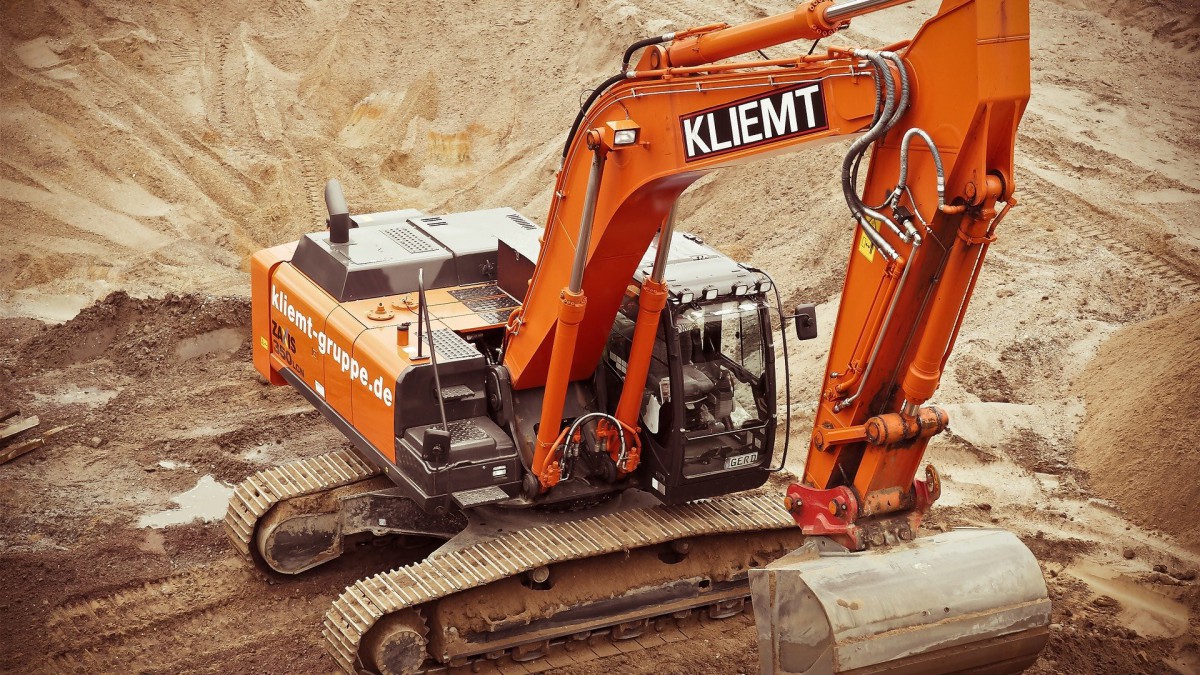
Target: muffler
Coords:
[[968, 600]]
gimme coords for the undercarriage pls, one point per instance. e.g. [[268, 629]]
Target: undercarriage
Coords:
[[495, 589], [504, 585]]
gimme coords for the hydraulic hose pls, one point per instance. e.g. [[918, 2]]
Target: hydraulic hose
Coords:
[[895, 104], [646, 42], [588, 104], [570, 432], [902, 184], [629, 52], [904, 89], [901, 108], [787, 373], [860, 144], [878, 82]]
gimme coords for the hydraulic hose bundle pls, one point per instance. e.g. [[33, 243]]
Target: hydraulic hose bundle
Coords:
[[890, 106], [888, 111], [894, 104]]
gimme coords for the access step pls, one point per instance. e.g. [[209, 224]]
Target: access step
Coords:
[[469, 499]]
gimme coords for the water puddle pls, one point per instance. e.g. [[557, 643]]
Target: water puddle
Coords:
[[205, 502]]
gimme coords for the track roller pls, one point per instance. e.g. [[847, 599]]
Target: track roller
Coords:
[[396, 645]]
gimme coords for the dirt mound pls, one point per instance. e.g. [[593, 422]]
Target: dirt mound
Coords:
[[1140, 392], [138, 335]]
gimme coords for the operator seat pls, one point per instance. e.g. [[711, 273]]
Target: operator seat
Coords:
[[696, 383]]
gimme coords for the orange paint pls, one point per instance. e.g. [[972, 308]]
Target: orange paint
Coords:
[[969, 68]]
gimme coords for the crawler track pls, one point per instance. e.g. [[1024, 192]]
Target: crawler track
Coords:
[[254, 496], [578, 649], [419, 586], [366, 602]]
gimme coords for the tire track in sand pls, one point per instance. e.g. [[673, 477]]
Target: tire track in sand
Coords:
[[201, 619], [1080, 216]]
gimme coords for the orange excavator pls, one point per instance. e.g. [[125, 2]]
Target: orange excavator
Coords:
[[564, 433]]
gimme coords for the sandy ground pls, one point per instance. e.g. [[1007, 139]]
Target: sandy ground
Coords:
[[147, 149]]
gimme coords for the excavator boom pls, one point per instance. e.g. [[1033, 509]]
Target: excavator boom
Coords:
[[941, 166]]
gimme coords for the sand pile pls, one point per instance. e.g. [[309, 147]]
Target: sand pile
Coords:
[[1141, 390]]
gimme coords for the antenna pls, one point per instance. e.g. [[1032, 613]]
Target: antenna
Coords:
[[423, 312]]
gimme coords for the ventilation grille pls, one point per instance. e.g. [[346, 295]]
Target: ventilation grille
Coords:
[[493, 318], [488, 304], [488, 301], [433, 221], [474, 292], [520, 220], [451, 347], [410, 241]]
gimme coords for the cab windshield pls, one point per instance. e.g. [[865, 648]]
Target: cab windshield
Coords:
[[721, 352], [718, 400]]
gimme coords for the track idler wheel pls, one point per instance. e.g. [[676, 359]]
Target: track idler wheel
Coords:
[[396, 644], [301, 533]]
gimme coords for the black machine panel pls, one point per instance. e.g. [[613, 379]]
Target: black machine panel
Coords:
[[386, 251]]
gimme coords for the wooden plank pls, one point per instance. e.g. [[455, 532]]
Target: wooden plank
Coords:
[[7, 413], [30, 445], [19, 426], [56, 430], [20, 449]]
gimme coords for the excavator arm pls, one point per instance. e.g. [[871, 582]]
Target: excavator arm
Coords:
[[938, 115], [901, 308], [611, 198]]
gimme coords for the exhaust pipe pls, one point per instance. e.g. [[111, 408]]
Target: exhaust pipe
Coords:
[[339, 214], [968, 600]]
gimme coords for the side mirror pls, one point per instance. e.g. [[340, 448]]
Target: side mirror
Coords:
[[435, 445], [806, 322]]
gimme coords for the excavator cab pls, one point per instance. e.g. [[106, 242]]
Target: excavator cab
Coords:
[[708, 414]]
